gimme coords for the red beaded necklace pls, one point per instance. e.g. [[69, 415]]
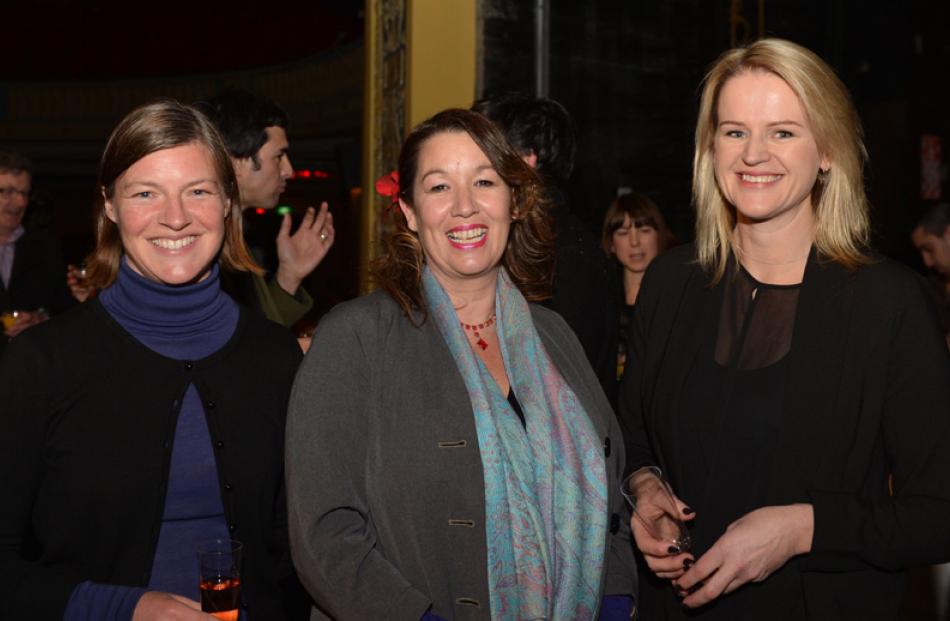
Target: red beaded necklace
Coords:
[[486, 324]]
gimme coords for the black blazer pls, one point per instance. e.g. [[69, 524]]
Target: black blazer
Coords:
[[868, 402], [38, 278]]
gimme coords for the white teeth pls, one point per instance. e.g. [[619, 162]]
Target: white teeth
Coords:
[[467, 234], [175, 244], [760, 178]]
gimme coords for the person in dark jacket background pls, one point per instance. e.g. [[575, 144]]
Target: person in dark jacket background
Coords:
[[32, 272], [543, 133]]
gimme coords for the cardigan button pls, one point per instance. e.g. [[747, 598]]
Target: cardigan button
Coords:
[[614, 523], [189, 366], [209, 405], [606, 447], [219, 444], [232, 527], [227, 487]]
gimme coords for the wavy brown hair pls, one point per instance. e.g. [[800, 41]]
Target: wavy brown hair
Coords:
[[153, 127], [529, 253]]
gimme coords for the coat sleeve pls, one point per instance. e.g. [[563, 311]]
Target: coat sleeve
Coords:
[[630, 405], [621, 576], [909, 526], [28, 590], [290, 307], [333, 538]]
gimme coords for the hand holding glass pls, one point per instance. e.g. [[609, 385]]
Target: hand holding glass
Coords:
[[655, 508], [219, 573]]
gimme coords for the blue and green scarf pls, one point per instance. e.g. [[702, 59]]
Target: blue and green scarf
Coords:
[[545, 489]]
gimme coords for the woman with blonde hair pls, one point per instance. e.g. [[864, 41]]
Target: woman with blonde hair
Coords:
[[787, 376]]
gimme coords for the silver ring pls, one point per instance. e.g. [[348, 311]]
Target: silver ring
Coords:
[[323, 236]]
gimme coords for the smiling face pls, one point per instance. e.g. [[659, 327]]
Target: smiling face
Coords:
[[170, 209], [14, 193], [766, 157], [262, 182], [461, 209], [635, 246]]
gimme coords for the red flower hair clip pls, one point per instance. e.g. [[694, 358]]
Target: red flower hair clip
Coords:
[[388, 185]]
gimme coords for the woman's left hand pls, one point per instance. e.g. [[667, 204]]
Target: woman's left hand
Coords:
[[751, 549]]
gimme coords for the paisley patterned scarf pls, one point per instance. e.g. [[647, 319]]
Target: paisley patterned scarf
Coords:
[[545, 487]]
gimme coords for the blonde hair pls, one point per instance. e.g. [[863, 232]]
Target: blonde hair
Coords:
[[841, 208]]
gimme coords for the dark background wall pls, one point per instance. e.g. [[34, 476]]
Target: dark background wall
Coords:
[[629, 72]]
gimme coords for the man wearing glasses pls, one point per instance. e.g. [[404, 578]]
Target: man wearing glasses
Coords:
[[32, 273]]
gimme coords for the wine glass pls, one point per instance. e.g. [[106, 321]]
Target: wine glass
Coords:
[[654, 506], [219, 569]]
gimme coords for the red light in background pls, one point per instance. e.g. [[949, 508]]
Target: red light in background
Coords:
[[311, 174], [260, 211]]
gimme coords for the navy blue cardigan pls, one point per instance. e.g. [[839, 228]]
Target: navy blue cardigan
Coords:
[[84, 456]]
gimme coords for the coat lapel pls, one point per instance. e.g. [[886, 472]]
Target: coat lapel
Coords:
[[697, 309], [814, 375]]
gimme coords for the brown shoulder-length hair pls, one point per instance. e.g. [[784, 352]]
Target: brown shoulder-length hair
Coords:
[[529, 253], [842, 228], [642, 211], [153, 127]]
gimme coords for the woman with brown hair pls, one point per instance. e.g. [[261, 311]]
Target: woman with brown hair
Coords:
[[791, 384], [634, 233], [148, 420], [450, 453]]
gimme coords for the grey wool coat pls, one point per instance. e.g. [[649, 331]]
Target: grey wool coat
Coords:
[[384, 476]]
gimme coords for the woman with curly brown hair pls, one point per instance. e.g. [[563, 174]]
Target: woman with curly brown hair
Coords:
[[450, 452]]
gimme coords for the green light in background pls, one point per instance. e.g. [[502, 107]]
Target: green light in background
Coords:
[[284, 210]]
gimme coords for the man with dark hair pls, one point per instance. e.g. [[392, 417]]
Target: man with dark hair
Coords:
[[255, 131], [538, 128], [542, 131], [32, 273], [931, 237]]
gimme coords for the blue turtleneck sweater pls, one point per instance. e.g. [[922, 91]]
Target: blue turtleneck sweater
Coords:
[[187, 322]]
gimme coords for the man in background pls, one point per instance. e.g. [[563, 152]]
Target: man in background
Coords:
[[931, 236], [542, 131], [32, 272], [255, 131]]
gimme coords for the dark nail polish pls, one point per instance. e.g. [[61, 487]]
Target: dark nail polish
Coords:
[[687, 563], [673, 550], [688, 511]]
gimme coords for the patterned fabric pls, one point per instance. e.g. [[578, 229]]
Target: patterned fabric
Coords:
[[545, 489]]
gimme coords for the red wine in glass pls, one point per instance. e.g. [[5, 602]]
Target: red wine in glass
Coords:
[[220, 597]]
